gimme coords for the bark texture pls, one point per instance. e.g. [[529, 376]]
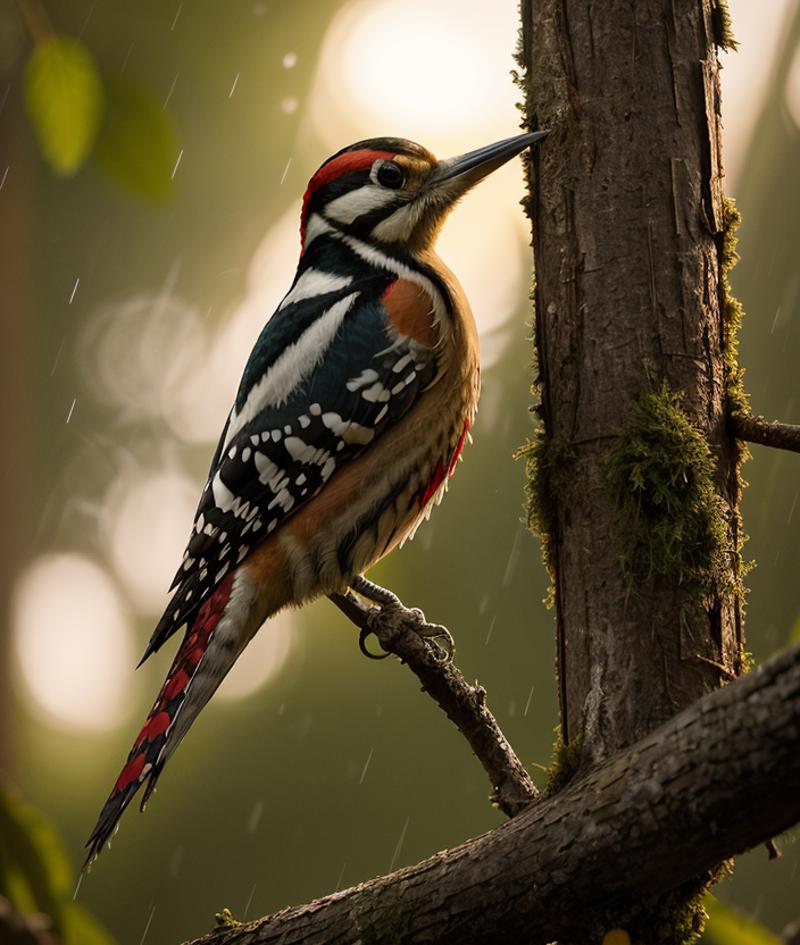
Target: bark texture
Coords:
[[627, 213], [722, 776]]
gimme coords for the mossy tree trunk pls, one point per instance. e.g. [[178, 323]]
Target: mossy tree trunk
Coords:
[[635, 474]]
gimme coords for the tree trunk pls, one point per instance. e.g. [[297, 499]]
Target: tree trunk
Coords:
[[628, 220]]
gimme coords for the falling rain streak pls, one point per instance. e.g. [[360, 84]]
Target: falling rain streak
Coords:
[[528, 703], [171, 90], [255, 817], [5, 175], [366, 765], [286, 170], [74, 290], [177, 165], [250, 900], [399, 846], [147, 926], [177, 14], [72, 407], [235, 83]]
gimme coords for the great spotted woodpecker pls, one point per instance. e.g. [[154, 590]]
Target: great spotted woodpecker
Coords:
[[350, 416]]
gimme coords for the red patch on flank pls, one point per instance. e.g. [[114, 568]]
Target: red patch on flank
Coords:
[[441, 472], [154, 727], [410, 310], [175, 684], [130, 772], [346, 163], [457, 451]]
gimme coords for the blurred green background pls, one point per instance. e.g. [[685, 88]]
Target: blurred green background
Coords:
[[129, 299]]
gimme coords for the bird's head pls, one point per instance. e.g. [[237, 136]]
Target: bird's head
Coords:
[[393, 191]]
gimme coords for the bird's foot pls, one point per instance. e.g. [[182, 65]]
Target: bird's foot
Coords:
[[438, 638]]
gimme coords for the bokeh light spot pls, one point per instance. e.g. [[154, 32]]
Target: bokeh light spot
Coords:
[[73, 643]]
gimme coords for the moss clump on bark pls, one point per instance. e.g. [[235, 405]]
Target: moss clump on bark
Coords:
[[723, 25], [565, 764], [660, 474], [732, 312], [548, 461]]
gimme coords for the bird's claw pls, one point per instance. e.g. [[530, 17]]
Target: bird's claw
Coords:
[[362, 645], [432, 634]]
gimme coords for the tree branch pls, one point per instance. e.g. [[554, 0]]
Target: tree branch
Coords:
[[717, 779], [398, 630], [782, 436]]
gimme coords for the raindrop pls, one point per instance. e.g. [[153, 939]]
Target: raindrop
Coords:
[[58, 357], [69, 415], [233, 87], [791, 509], [86, 20], [286, 170], [289, 60], [249, 900], [171, 90], [175, 861], [366, 765], [282, 708], [399, 846], [483, 604], [259, 9], [289, 104], [147, 927], [5, 174], [491, 628], [127, 57], [513, 558], [775, 320], [528, 703], [338, 885], [77, 886], [255, 817], [177, 14], [5, 96], [177, 165], [74, 290]]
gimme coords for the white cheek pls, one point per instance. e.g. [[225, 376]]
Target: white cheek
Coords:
[[400, 225], [352, 205]]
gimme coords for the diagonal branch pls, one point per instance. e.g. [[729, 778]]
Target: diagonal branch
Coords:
[[782, 436], [719, 778], [398, 630]]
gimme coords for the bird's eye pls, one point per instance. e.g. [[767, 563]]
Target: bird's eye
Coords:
[[391, 175]]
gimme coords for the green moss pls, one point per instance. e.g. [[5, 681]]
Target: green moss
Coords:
[[660, 474], [225, 919], [723, 25], [732, 312], [675, 918], [548, 462], [566, 762]]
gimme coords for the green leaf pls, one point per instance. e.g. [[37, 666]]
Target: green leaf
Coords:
[[727, 926], [138, 144], [36, 874], [64, 101]]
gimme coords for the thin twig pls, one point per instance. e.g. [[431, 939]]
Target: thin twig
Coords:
[[404, 632], [782, 436]]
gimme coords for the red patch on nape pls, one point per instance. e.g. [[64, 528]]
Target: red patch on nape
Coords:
[[130, 772], [346, 163]]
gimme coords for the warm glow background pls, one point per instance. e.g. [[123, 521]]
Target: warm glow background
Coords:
[[126, 328]]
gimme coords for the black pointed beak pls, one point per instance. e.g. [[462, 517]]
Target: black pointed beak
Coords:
[[473, 166]]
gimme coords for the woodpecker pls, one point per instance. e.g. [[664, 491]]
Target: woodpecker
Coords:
[[349, 419]]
